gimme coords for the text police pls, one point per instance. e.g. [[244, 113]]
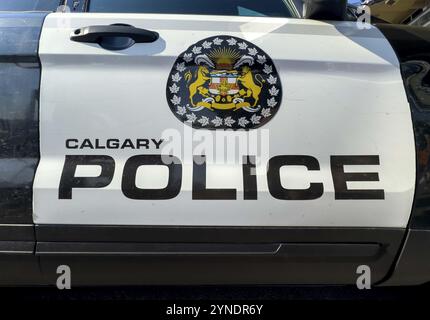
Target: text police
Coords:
[[340, 176]]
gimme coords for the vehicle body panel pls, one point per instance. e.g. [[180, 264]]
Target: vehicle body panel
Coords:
[[342, 95], [321, 66]]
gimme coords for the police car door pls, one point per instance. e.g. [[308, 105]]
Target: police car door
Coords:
[[221, 122]]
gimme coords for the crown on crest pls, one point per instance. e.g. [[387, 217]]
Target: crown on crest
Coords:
[[224, 58]]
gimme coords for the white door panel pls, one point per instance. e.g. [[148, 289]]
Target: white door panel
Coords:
[[342, 95]]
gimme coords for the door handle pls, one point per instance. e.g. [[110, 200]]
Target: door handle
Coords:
[[114, 37]]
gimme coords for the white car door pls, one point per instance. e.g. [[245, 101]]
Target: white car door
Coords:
[[212, 120]]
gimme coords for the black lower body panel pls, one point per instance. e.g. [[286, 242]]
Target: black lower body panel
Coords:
[[19, 265], [413, 265], [119, 255]]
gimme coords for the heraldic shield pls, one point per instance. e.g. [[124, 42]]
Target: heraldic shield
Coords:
[[224, 82]]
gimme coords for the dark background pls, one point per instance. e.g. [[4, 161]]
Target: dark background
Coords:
[[229, 293]]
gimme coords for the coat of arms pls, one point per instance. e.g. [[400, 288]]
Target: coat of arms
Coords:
[[224, 82]]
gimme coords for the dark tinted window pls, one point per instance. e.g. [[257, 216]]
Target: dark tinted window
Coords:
[[270, 8], [29, 5]]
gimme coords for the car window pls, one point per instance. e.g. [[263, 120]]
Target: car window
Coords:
[[29, 5], [270, 8]]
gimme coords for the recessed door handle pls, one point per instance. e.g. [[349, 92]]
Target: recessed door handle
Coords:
[[114, 37]]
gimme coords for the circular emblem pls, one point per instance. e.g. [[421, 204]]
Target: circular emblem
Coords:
[[224, 82]]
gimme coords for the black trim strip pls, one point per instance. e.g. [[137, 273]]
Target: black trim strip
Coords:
[[19, 232], [194, 234], [21, 58], [16, 247], [80, 248], [290, 250]]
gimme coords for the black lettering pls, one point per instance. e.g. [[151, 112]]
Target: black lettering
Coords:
[[142, 143], [127, 144], [249, 178], [98, 145], [112, 143], [200, 192], [68, 180], [157, 142], [173, 187], [72, 144], [276, 189], [87, 144], [340, 178]]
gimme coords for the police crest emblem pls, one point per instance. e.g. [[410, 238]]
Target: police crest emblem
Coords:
[[224, 82]]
